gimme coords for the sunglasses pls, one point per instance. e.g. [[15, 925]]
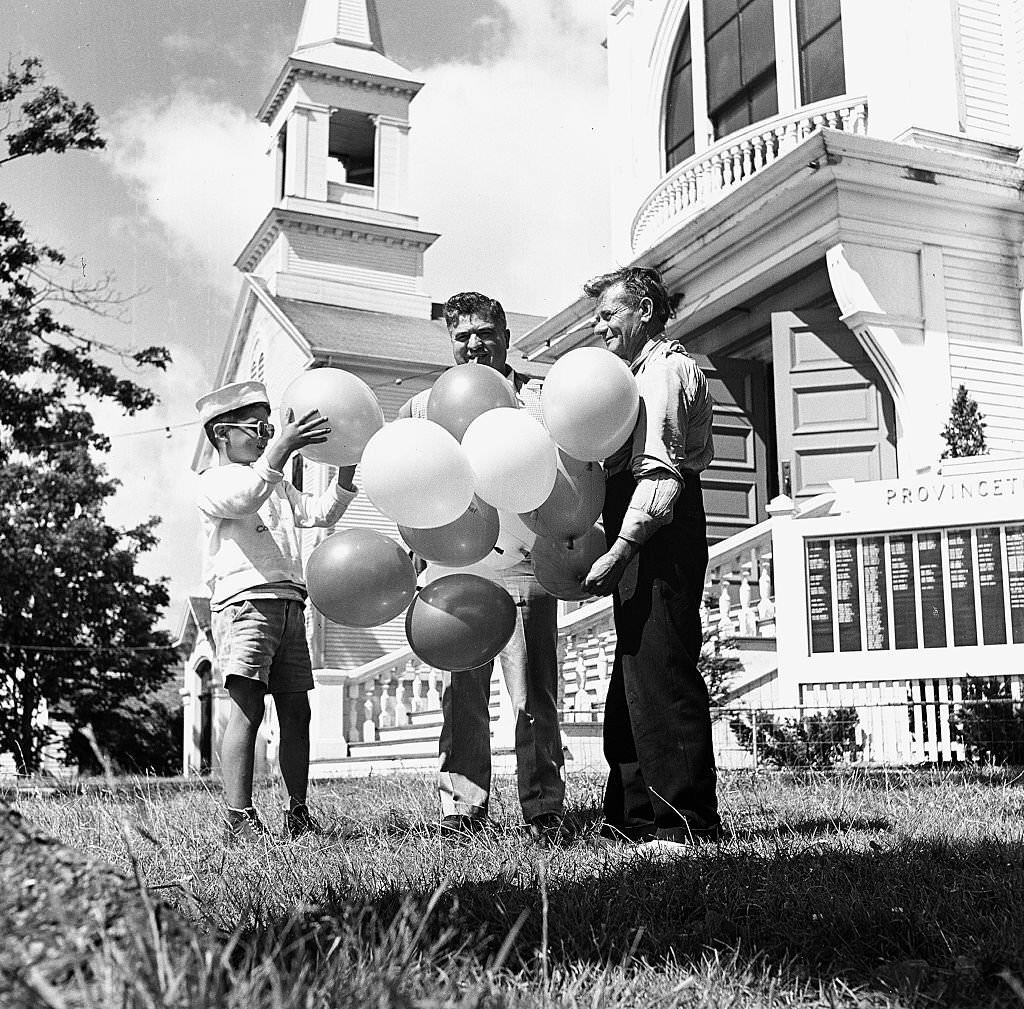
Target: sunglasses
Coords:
[[258, 428]]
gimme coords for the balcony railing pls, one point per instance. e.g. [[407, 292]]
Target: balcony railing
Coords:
[[397, 689], [697, 183]]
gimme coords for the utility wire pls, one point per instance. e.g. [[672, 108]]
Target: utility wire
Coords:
[[167, 429], [86, 648]]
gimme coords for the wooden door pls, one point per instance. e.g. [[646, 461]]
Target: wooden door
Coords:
[[834, 416], [736, 483]]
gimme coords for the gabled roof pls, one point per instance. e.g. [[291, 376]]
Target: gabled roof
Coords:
[[194, 621], [332, 330]]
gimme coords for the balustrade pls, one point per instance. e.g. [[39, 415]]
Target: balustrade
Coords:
[[695, 184]]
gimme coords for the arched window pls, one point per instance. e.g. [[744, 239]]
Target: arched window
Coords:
[[679, 101], [819, 33], [739, 47]]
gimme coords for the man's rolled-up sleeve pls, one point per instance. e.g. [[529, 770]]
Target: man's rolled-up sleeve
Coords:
[[650, 507], [659, 440]]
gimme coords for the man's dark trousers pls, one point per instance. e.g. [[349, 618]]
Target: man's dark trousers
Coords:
[[657, 721]]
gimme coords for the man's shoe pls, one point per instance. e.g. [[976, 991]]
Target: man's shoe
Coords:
[[691, 833], [631, 834], [551, 829], [298, 821], [461, 825], [243, 826]]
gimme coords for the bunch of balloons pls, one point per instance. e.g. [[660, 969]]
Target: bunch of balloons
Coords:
[[475, 487]]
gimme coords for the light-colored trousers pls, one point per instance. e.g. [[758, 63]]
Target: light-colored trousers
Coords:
[[529, 663]]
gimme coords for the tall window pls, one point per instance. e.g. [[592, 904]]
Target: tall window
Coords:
[[679, 102], [820, 40], [739, 42]]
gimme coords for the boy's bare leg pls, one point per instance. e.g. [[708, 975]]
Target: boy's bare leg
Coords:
[[238, 748], [293, 752]]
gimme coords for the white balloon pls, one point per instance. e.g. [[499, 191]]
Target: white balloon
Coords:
[[590, 403], [514, 461], [346, 401], [414, 471]]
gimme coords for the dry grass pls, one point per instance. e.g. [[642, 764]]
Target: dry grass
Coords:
[[841, 889]]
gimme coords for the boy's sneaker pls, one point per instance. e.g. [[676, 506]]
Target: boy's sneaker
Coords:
[[298, 821], [244, 826], [461, 825]]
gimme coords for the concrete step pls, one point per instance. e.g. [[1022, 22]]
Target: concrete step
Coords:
[[417, 746], [502, 762]]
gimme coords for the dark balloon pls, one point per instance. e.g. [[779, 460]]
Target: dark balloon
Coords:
[[470, 538], [460, 622], [575, 502], [360, 577], [561, 566], [462, 393]]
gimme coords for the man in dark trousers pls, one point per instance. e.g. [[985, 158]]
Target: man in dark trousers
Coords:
[[657, 727], [479, 334]]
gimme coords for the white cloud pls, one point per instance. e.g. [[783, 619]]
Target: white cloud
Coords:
[[154, 469], [509, 166], [509, 161], [199, 169]]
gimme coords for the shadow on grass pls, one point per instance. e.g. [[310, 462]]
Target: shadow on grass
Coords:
[[818, 826], [937, 919]]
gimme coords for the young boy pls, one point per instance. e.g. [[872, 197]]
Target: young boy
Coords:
[[252, 563]]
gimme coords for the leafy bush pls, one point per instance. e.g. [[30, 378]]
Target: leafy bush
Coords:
[[141, 735], [816, 740], [990, 722]]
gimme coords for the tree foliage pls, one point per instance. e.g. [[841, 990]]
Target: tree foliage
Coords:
[[77, 623], [964, 433]]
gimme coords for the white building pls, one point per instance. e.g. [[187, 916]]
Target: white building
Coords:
[[832, 188]]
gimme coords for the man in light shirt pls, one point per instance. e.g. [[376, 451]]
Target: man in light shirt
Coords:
[[657, 724]]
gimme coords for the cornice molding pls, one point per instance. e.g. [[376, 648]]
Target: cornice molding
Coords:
[[295, 69], [279, 221]]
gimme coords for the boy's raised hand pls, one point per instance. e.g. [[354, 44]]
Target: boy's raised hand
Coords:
[[311, 428]]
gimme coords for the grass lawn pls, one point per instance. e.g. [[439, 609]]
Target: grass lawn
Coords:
[[836, 889]]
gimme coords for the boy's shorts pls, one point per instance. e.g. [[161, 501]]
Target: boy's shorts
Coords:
[[264, 640]]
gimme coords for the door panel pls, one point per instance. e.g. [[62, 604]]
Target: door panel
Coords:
[[736, 483], [834, 417]]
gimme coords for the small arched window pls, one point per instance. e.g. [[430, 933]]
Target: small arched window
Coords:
[[679, 101], [739, 50]]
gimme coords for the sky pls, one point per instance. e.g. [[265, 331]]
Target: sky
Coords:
[[507, 158]]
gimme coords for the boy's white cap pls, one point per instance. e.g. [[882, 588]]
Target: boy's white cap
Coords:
[[231, 397]]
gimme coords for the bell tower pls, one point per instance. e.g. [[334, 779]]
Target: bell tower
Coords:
[[340, 230]]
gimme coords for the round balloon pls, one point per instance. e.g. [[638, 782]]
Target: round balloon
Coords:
[[414, 471], [460, 622], [470, 538], [575, 502], [590, 403], [512, 458], [346, 401], [360, 577], [561, 565], [461, 394]]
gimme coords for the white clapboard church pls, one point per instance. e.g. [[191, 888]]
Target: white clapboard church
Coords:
[[833, 190], [332, 276]]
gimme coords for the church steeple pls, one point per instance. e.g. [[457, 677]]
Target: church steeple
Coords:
[[339, 111], [347, 22]]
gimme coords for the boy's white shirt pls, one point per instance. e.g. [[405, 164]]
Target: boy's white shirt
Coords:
[[250, 517]]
